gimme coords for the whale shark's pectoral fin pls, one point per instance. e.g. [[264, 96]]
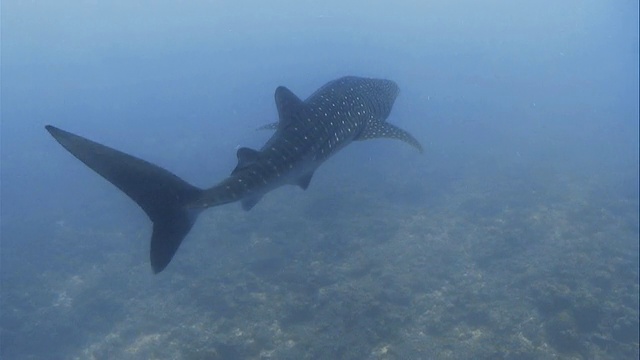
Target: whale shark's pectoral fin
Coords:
[[249, 202], [375, 130], [304, 180]]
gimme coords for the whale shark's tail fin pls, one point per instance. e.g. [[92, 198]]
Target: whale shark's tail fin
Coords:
[[161, 194]]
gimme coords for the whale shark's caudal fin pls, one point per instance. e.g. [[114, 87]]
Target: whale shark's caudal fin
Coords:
[[161, 194]]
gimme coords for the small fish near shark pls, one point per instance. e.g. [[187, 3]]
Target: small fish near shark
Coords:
[[308, 133]]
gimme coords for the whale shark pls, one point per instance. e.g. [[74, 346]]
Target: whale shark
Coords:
[[307, 133]]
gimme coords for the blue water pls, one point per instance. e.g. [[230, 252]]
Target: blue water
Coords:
[[514, 236]]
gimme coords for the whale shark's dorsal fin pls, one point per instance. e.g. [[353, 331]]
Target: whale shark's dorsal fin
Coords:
[[246, 157], [288, 105]]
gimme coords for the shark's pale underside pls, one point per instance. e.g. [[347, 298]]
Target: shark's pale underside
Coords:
[[307, 133]]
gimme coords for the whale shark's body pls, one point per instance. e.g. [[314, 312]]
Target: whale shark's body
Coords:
[[307, 133]]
